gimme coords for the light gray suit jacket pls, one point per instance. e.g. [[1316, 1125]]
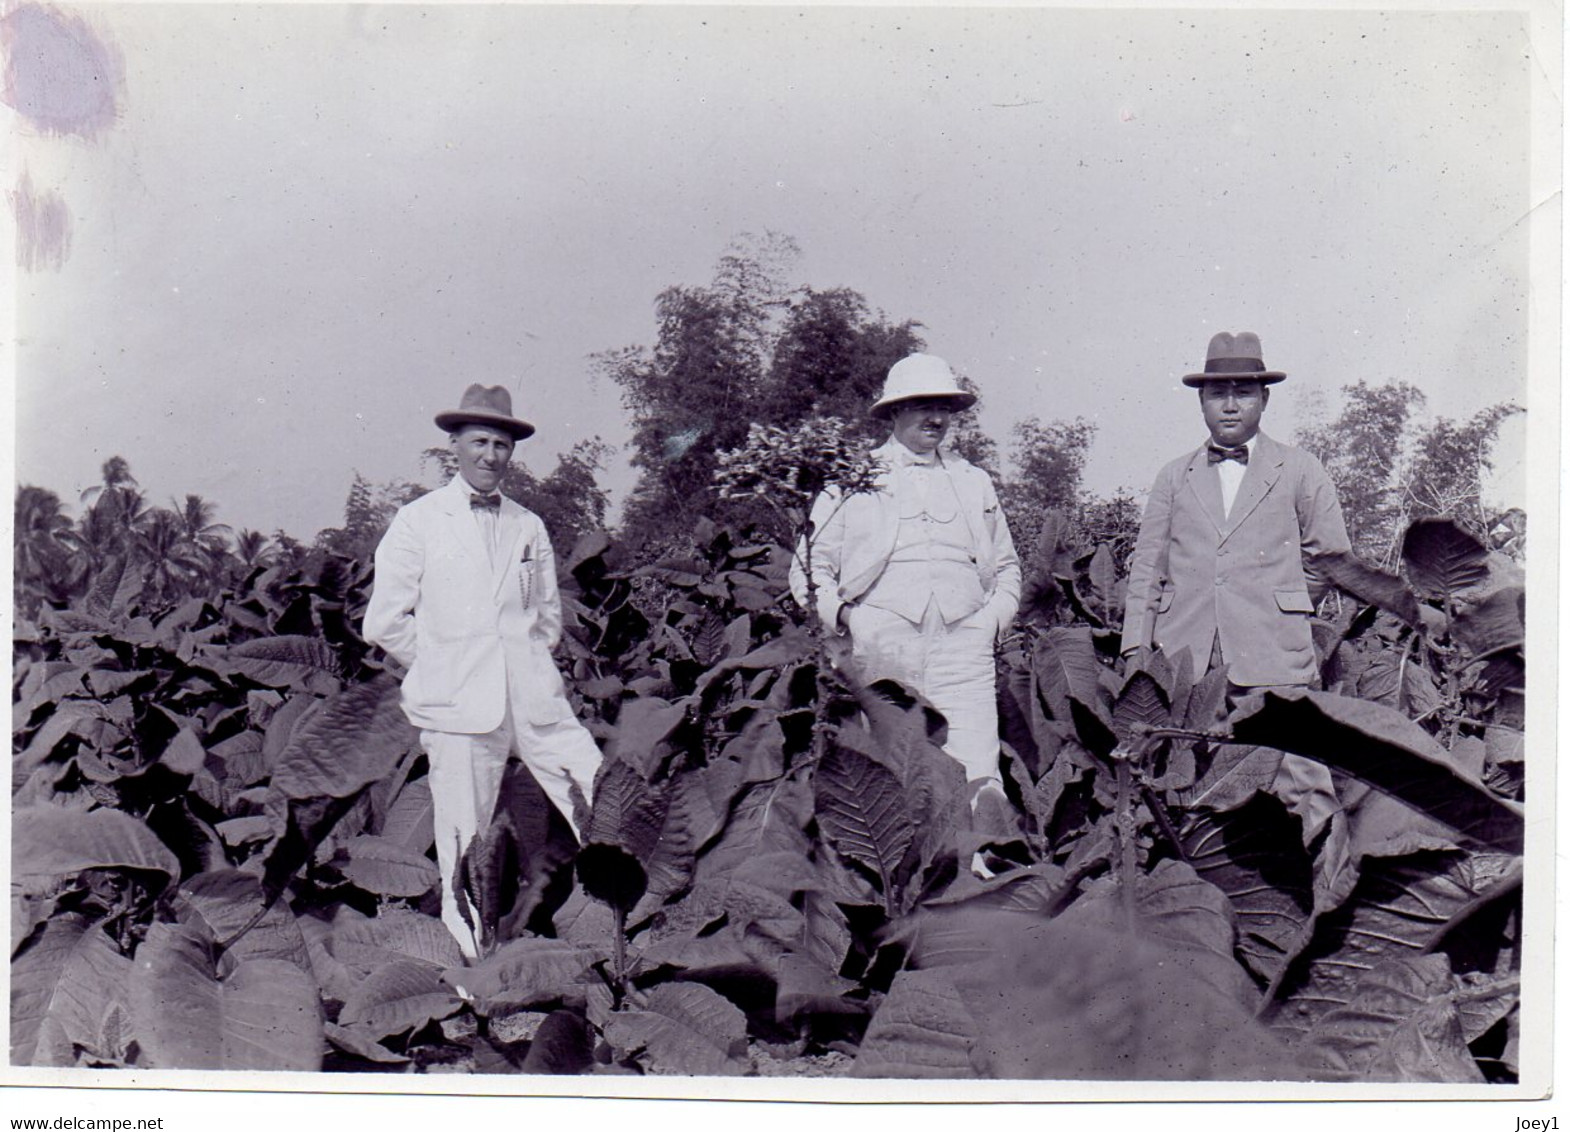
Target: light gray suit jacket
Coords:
[[1247, 575]]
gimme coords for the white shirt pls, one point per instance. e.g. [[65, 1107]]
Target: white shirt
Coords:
[[1232, 473], [486, 518]]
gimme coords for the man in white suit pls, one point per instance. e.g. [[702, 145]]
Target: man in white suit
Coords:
[[922, 573], [465, 598]]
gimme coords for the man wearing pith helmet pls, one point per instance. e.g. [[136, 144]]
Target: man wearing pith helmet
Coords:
[[1225, 566], [922, 573], [465, 598]]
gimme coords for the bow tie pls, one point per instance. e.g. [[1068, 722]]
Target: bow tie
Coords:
[[1216, 453], [492, 502]]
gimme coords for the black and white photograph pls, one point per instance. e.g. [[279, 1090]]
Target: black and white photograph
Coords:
[[782, 552]]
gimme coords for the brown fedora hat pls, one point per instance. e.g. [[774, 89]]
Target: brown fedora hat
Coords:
[[486, 405], [1235, 357]]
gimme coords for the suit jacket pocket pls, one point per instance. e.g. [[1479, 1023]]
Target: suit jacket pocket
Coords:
[[1294, 601], [1164, 598]]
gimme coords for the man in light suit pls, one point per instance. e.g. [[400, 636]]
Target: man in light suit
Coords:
[[921, 573], [465, 598], [1225, 565]]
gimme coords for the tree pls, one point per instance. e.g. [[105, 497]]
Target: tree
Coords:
[[1390, 469], [1449, 466], [367, 513], [252, 548], [169, 560], [1048, 462], [41, 559], [569, 501], [1363, 450], [742, 351]]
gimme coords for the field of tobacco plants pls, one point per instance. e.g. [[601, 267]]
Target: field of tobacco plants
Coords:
[[222, 848]]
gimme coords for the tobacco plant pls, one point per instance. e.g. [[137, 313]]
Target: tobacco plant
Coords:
[[222, 849]]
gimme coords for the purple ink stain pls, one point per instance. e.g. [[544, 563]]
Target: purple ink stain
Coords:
[[43, 227], [58, 74]]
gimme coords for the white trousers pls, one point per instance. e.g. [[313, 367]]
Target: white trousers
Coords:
[[466, 778], [951, 665]]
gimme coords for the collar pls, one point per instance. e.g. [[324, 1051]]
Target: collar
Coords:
[[1249, 444], [902, 457], [466, 489]]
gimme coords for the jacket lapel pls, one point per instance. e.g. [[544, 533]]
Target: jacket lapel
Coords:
[[509, 527], [1264, 469], [1205, 482], [465, 531]]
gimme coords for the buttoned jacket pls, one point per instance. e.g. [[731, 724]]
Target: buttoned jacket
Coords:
[[1248, 575], [468, 630], [854, 537]]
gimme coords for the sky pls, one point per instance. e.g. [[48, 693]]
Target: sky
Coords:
[[259, 247]]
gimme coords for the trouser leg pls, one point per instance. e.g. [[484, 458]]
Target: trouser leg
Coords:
[[961, 682], [466, 775], [952, 667], [560, 755]]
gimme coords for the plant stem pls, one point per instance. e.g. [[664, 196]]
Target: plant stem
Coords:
[[1127, 868]]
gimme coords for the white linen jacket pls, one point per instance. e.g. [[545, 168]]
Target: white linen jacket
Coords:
[[461, 627], [854, 538]]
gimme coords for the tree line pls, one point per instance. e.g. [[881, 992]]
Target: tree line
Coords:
[[751, 346]]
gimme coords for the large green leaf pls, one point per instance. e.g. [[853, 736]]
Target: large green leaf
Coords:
[[396, 933], [386, 868], [923, 1028], [690, 821], [1255, 855], [1401, 1024], [1381, 747], [401, 996], [1497, 622], [862, 813], [1061, 1000], [227, 900], [356, 738], [65, 980], [684, 1028], [768, 818], [1177, 908], [525, 972], [641, 729], [1442, 559], [1400, 906], [266, 1014], [1387, 591], [50, 841], [410, 821], [1068, 673], [283, 662], [628, 812], [1141, 703]]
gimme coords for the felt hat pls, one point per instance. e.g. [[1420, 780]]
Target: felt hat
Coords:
[[485, 405], [921, 376], [1234, 357]]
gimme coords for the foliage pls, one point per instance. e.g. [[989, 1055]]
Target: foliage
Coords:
[[746, 349], [1390, 469], [224, 797]]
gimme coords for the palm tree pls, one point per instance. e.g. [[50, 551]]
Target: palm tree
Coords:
[[41, 558], [207, 540], [170, 561], [252, 548]]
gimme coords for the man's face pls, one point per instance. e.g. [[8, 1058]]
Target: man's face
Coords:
[[483, 453], [921, 424], [1232, 410]]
